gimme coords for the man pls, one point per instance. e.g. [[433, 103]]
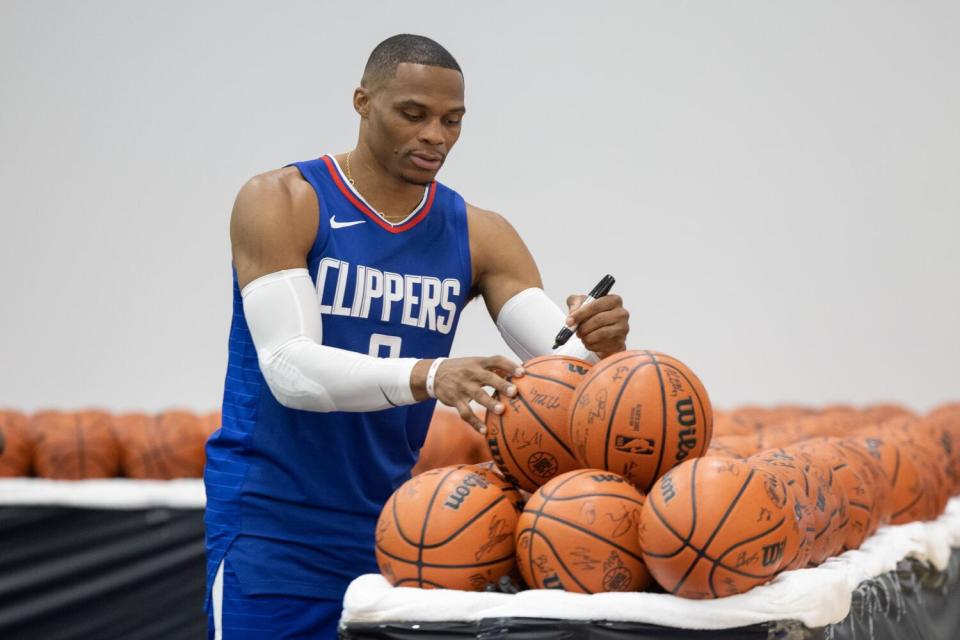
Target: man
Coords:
[[350, 273]]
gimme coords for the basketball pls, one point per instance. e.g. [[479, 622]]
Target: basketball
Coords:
[[948, 427], [802, 495], [16, 445], [867, 455], [161, 448], [528, 441], [861, 491], [450, 441], [75, 446], [931, 452], [448, 528], [714, 527], [638, 414], [731, 447], [579, 532], [906, 499], [940, 439], [830, 517]]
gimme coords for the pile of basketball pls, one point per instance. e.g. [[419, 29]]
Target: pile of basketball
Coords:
[[96, 444], [637, 485]]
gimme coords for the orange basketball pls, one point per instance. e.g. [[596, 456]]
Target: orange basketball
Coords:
[[579, 532], [450, 441], [886, 410], [906, 499], [940, 439], [861, 491], [163, 447], [714, 527], [802, 495], [16, 445], [731, 447], [448, 528], [829, 506], [528, 441], [865, 455], [946, 425], [639, 413], [930, 454], [732, 424], [75, 446]]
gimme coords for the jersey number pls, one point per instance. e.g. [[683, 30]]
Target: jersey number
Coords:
[[379, 340]]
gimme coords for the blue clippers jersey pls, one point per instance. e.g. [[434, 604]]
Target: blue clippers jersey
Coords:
[[294, 495]]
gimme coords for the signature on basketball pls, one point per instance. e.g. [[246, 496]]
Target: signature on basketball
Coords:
[[496, 533], [743, 559], [583, 559], [521, 440], [544, 399], [599, 407], [676, 384], [624, 522]]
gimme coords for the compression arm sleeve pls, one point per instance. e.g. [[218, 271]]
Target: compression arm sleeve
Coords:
[[283, 315], [529, 322]]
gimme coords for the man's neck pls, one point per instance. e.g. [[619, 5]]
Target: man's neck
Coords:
[[392, 197]]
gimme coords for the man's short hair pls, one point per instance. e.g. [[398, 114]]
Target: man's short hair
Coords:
[[404, 47]]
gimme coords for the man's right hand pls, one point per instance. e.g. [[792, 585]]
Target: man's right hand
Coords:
[[460, 380]]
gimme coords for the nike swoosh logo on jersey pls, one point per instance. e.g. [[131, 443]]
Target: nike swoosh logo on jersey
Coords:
[[340, 225]]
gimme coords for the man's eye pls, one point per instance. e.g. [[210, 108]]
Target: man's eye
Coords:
[[454, 123], [412, 117]]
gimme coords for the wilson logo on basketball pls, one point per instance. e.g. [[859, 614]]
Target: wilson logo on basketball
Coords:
[[606, 477], [773, 553], [457, 496], [552, 582], [666, 488], [687, 418]]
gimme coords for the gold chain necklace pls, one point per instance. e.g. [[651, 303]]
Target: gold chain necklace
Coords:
[[349, 175], [350, 179]]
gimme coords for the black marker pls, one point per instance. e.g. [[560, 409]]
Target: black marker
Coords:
[[603, 288]]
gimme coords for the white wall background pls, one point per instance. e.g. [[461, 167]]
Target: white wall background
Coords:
[[776, 185]]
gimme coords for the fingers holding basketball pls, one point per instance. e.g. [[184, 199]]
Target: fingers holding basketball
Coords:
[[602, 325], [462, 380]]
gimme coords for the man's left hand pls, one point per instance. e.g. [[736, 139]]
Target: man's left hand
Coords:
[[602, 325]]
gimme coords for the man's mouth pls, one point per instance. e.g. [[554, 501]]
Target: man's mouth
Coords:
[[426, 161]]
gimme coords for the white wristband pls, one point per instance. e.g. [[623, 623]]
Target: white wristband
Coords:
[[431, 376]]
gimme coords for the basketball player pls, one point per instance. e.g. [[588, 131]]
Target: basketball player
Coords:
[[350, 275]]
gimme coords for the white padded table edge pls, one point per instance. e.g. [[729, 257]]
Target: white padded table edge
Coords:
[[111, 493], [816, 597]]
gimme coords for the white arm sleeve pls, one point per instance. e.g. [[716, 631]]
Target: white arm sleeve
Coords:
[[283, 314], [529, 322]]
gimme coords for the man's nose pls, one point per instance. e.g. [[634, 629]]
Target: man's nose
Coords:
[[432, 132]]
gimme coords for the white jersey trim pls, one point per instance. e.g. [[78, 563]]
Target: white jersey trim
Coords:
[[216, 602], [353, 190]]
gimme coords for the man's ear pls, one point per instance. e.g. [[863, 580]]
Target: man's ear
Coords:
[[361, 101]]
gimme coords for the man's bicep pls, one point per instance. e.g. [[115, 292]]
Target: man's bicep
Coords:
[[269, 229], [505, 265]]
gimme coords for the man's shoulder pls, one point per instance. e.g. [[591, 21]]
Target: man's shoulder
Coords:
[[282, 188], [284, 183], [484, 222], [276, 197]]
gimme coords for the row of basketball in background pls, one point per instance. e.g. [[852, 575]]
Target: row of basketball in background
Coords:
[[90, 444], [633, 476]]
